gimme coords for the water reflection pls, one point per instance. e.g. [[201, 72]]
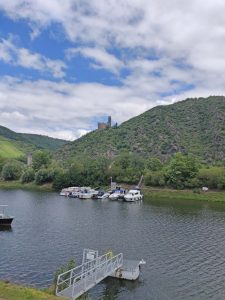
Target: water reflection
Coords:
[[182, 243], [113, 287], [6, 228], [179, 207]]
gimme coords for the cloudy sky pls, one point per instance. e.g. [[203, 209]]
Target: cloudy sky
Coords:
[[65, 64]]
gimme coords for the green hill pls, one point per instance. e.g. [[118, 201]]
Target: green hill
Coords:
[[13, 144], [194, 126]]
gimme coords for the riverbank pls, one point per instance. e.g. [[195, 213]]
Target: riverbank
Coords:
[[170, 194], [10, 291], [149, 192], [16, 184]]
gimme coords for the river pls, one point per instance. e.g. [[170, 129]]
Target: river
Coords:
[[182, 242]]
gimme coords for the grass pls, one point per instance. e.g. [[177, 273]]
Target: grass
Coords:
[[169, 194], [16, 184], [9, 291], [149, 193], [9, 149]]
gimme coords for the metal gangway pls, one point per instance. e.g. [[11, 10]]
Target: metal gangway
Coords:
[[94, 268]]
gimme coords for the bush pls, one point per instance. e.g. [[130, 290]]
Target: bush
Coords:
[[181, 169], [28, 175], [154, 164], [11, 171], [70, 265], [155, 178], [40, 159], [193, 183], [43, 176], [61, 179], [213, 177]]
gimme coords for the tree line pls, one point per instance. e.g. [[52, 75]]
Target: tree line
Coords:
[[181, 171]]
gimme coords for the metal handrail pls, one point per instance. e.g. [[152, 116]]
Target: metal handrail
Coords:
[[91, 273], [92, 265]]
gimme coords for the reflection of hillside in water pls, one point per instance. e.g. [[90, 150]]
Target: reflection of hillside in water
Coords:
[[179, 207]]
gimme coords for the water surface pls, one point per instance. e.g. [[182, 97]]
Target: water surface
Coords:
[[183, 243]]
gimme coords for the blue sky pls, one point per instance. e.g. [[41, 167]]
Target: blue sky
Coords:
[[64, 65]]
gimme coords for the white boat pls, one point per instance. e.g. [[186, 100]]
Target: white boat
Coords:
[[67, 191], [133, 195], [87, 193], [118, 193], [104, 196]]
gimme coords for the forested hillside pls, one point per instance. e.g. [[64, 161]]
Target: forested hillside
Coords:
[[195, 126]]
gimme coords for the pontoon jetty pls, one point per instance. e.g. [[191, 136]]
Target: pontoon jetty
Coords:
[[94, 268]]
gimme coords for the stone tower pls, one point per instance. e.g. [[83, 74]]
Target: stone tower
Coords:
[[29, 159], [109, 122]]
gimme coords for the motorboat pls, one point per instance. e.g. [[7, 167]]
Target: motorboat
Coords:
[[133, 195], [103, 195], [69, 190], [87, 193], [74, 194], [5, 220], [118, 193]]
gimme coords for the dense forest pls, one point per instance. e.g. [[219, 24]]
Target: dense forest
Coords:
[[193, 126]]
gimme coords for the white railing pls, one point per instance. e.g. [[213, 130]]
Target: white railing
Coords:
[[85, 276]]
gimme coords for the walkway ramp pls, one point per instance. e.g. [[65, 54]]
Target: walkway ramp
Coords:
[[79, 280]]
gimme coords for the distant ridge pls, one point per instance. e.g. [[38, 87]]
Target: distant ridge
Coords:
[[13, 144], [195, 125]]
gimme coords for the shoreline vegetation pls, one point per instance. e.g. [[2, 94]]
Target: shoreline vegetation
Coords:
[[11, 291], [17, 184], [150, 193]]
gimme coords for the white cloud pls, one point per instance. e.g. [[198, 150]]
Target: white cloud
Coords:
[[64, 109], [192, 30], [9, 53], [101, 58], [166, 46]]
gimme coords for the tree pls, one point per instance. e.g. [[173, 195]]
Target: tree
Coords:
[[43, 176], [181, 169], [213, 177], [28, 175], [154, 164], [156, 178], [61, 179], [41, 159], [12, 170], [127, 168]]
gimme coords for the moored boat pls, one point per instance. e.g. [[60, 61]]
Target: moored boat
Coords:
[[5, 220], [87, 193], [69, 190], [118, 193], [104, 195], [133, 195]]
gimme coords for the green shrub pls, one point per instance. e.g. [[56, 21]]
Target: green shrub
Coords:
[[61, 179], [43, 176], [213, 177], [70, 265], [40, 159], [155, 178], [12, 171], [28, 175]]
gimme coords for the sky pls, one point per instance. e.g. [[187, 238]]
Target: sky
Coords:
[[67, 64]]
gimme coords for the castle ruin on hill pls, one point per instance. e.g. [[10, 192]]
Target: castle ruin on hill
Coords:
[[105, 125]]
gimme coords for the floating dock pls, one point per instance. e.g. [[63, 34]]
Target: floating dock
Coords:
[[94, 268]]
